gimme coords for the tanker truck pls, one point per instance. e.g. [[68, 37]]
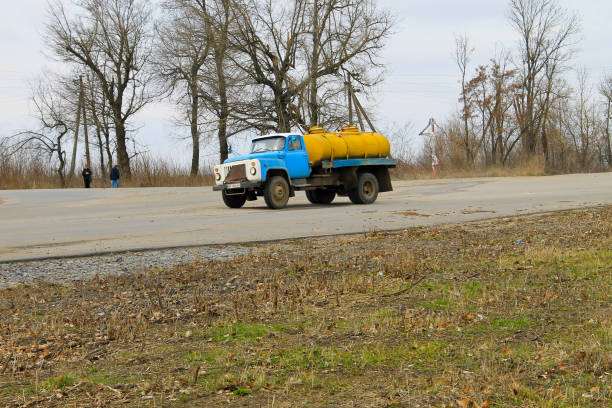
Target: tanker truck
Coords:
[[323, 164]]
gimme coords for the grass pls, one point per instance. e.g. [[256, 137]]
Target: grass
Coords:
[[461, 317], [25, 171], [240, 331], [406, 171], [58, 383]]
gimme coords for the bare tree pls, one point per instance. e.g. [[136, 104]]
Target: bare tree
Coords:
[[347, 35], [268, 35], [53, 110], [223, 85], [547, 35], [582, 123], [183, 49], [605, 88], [293, 48], [463, 55], [98, 110], [503, 90], [477, 91], [111, 38]]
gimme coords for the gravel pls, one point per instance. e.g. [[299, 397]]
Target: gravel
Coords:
[[68, 269]]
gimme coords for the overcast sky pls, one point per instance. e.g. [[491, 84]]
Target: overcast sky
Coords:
[[421, 79]]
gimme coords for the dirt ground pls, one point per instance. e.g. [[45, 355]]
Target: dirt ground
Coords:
[[507, 312]]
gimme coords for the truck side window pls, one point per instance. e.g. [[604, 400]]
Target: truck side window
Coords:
[[295, 144]]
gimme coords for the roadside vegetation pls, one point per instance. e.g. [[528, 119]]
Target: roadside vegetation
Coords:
[[33, 172], [508, 312], [236, 69]]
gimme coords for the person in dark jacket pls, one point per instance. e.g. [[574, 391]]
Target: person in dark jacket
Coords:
[[86, 176], [114, 176]]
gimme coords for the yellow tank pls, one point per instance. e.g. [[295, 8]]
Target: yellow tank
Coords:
[[349, 143]]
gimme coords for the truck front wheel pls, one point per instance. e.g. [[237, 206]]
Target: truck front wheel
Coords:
[[366, 191], [276, 192], [234, 200], [320, 196]]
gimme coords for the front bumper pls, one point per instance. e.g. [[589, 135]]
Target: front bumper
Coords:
[[245, 185]]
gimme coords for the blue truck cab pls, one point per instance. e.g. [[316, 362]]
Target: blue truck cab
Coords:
[[278, 165]]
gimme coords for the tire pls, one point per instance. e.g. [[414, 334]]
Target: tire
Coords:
[[320, 196], [234, 201], [366, 191], [276, 192]]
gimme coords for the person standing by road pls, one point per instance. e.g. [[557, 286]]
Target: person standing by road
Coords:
[[114, 176], [434, 164], [86, 173]]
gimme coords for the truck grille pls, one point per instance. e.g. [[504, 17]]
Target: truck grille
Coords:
[[224, 170], [234, 174]]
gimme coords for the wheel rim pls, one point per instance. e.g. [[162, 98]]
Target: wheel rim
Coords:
[[368, 189], [278, 192]]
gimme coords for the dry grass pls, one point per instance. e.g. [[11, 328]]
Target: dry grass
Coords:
[[452, 316], [34, 172], [535, 167], [25, 171]]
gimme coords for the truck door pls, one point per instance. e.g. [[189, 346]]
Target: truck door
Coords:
[[297, 158]]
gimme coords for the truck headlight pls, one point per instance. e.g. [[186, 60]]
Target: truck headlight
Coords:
[[217, 177], [253, 171]]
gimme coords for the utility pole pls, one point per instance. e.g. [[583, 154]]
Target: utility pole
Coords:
[[349, 94], [76, 135], [85, 132], [363, 112], [359, 110]]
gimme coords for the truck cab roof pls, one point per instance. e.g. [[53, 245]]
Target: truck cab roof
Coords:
[[275, 135]]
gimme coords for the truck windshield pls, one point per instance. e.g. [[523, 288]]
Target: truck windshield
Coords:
[[268, 144]]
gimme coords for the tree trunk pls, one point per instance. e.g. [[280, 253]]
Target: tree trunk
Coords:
[[466, 129], [62, 163], [500, 143], [314, 67], [608, 143], [85, 131], [195, 133], [76, 137], [223, 105], [123, 159], [281, 116], [109, 154], [223, 146], [544, 139], [101, 150], [529, 133]]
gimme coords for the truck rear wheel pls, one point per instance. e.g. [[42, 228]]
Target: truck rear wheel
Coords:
[[366, 191], [276, 192], [320, 196], [234, 200]]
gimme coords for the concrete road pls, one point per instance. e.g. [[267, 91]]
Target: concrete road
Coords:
[[50, 223]]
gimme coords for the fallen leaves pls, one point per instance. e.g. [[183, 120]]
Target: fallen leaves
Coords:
[[469, 317], [466, 403]]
